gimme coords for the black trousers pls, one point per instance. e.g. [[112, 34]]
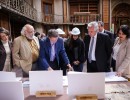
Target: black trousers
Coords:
[[54, 65], [113, 64], [92, 67], [63, 67]]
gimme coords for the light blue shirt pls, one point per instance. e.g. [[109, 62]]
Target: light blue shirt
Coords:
[[52, 56]]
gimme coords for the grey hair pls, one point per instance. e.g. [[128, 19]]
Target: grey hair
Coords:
[[101, 23], [93, 24], [23, 30]]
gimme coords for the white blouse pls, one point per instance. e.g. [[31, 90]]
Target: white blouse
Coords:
[[115, 50], [7, 66]]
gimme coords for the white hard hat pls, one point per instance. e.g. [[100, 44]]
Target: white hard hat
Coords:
[[75, 31], [60, 31]]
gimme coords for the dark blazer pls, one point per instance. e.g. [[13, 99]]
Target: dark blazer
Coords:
[[102, 51], [69, 46], [45, 52], [111, 35], [3, 55]]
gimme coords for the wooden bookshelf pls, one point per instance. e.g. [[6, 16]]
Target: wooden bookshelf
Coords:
[[84, 6]]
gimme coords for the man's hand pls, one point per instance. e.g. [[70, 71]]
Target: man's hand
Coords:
[[50, 69], [119, 74], [69, 67], [76, 62]]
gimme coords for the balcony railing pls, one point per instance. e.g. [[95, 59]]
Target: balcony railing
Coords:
[[84, 18], [73, 19], [49, 18], [21, 7]]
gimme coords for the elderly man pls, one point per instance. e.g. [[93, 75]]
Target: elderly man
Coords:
[[52, 47], [26, 50], [98, 49]]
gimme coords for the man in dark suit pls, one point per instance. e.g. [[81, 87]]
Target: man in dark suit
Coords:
[[52, 47], [102, 30], [97, 49]]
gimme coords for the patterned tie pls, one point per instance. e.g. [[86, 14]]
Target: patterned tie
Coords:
[[90, 51], [52, 52]]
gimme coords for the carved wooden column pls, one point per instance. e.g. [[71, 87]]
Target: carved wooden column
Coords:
[[65, 27], [106, 13]]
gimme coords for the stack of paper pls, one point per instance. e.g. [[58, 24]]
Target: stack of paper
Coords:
[[111, 77]]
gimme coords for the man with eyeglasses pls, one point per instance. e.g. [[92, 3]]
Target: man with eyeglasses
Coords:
[[26, 51]]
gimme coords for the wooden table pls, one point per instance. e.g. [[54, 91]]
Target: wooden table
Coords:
[[60, 97]]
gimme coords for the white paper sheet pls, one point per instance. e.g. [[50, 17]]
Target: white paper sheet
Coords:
[[65, 81], [18, 78], [111, 77], [7, 76], [82, 83], [26, 84], [46, 80], [11, 91]]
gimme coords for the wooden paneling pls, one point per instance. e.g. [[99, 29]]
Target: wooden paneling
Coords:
[[90, 6], [84, 6], [74, 8], [48, 1], [106, 8], [4, 21], [105, 11], [65, 10], [65, 30]]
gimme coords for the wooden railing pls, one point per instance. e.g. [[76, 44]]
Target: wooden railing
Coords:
[[84, 17], [50, 18], [21, 7], [59, 19]]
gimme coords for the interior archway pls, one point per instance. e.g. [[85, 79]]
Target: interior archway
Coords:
[[121, 15]]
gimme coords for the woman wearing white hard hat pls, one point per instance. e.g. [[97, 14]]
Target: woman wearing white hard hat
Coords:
[[75, 50]]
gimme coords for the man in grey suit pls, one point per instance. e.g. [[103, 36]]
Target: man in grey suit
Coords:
[[98, 49]]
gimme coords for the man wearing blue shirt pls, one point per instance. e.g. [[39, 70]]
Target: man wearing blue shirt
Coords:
[[51, 48]]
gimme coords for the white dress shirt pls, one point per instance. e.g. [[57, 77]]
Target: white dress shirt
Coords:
[[103, 31]]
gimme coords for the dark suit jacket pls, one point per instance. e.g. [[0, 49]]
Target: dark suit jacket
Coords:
[[3, 56], [102, 51], [45, 52], [70, 50], [111, 35]]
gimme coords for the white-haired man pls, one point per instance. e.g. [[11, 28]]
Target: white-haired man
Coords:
[[26, 50], [98, 49]]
